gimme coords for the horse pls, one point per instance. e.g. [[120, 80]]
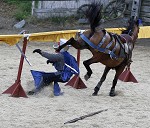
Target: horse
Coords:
[[110, 49]]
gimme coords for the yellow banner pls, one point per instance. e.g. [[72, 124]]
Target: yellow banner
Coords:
[[144, 31], [52, 36], [10, 39], [66, 34]]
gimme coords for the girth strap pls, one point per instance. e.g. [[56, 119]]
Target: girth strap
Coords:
[[108, 45], [102, 41]]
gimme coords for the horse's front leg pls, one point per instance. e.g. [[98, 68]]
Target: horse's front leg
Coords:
[[87, 64], [119, 70], [97, 88]]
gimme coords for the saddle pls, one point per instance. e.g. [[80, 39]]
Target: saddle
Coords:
[[126, 42]]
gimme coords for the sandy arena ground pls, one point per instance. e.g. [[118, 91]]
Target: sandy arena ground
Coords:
[[129, 109]]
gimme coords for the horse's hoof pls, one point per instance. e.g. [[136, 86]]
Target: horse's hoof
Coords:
[[94, 94], [96, 89], [86, 77], [112, 94]]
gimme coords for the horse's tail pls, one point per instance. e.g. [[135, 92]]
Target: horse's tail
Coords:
[[93, 14]]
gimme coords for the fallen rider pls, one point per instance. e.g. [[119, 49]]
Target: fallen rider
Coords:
[[65, 64]]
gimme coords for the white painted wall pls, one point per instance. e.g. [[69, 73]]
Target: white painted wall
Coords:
[[68, 4], [50, 8]]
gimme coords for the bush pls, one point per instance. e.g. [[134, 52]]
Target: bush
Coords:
[[23, 8]]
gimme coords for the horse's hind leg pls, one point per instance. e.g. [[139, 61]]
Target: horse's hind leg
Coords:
[[119, 70], [69, 42], [97, 88]]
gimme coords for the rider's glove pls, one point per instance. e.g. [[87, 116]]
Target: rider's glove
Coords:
[[37, 50]]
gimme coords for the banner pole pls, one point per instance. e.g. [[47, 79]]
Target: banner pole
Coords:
[[22, 58], [16, 89]]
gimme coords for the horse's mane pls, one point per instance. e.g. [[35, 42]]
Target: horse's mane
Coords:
[[130, 27], [93, 14]]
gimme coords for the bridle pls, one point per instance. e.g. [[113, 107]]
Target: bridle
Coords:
[[131, 32]]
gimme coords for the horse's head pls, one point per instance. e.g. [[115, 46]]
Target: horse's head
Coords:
[[132, 28]]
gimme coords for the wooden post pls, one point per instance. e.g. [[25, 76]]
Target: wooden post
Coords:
[[136, 4], [33, 7], [127, 76], [16, 89]]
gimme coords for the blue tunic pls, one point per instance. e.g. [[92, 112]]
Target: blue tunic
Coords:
[[63, 74], [71, 61]]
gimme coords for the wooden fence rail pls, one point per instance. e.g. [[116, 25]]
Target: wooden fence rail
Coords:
[[145, 11]]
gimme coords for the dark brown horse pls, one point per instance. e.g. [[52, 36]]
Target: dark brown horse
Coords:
[[112, 50]]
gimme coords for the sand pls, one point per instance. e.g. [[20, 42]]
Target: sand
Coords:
[[129, 109]]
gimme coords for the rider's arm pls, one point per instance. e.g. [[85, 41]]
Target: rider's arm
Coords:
[[57, 60], [52, 57]]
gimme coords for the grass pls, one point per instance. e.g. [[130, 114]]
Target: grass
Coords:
[[62, 20], [23, 8], [53, 21], [23, 11]]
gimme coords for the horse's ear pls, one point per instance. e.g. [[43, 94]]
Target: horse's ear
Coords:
[[139, 22]]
